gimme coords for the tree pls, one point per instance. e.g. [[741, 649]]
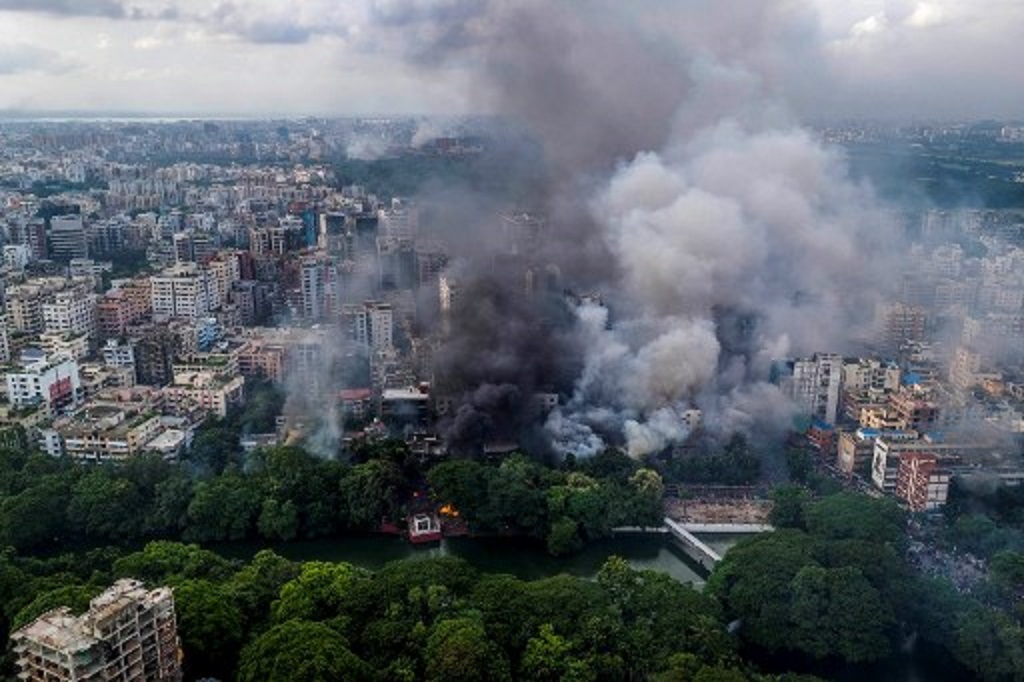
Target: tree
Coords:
[[853, 516], [300, 650], [990, 644], [277, 520], [105, 505], [223, 508], [788, 504], [459, 650], [563, 537], [162, 562], [259, 583], [369, 493], [318, 592], [36, 515], [210, 626], [548, 658], [754, 583]]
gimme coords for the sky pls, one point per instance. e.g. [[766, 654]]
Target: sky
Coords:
[[903, 59]]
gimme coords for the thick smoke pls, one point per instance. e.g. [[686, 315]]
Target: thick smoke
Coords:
[[721, 234]]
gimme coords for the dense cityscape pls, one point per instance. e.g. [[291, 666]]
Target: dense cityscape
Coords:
[[648, 352]]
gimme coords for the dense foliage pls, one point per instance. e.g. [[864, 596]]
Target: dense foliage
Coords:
[[834, 583], [284, 493]]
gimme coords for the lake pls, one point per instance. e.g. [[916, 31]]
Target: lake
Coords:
[[517, 556]]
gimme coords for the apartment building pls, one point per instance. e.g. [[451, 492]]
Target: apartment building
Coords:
[[128, 634]]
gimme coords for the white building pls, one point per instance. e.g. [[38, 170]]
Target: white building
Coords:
[[17, 256], [53, 381], [72, 311], [370, 324], [183, 292], [320, 289], [812, 383], [870, 374]]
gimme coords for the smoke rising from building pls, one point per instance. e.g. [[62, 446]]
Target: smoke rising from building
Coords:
[[721, 233]]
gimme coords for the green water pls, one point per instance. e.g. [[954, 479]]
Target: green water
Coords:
[[521, 558]]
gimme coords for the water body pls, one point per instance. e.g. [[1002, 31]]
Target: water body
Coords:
[[516, 556]]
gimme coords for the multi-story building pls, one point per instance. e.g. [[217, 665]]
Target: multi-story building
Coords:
[[128, 634], [900, 323], [208, 390], [5, 340], [25, 310], [68, 238], [922, 482], [72, 311], [104, 432], [41, 380], [870, 374], [251, 300], [263, 359], [183, 292], [70, 344], [812, 383], [370, 324], [321, 293]]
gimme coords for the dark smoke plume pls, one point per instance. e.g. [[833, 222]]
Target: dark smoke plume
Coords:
[[721, 234]]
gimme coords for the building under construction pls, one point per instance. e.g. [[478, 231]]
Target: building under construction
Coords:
[[129, 633]]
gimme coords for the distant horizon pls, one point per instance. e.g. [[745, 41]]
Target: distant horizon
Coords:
[[115, 115]]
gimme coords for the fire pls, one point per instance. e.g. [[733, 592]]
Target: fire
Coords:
[[449, 510]]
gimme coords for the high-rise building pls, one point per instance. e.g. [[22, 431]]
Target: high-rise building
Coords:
[[900, 323], [5, 340], [320, 289], [813, 384], [184, 292], [72, 311], [128, 634], [370, 324], [68, 238]]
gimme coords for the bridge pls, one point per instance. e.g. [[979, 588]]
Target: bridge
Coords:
[[695, 548], [692, 545]]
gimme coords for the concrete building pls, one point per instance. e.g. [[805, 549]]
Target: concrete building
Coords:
[[251, 300], [72, 311], [5, 340], [922, 483], [183, 292], [900, 323], [870, 374], [53, 381], [128, 634], [207, 390], [321, 294], [104, 432], [68, 238], [812, 383], [370, 324]]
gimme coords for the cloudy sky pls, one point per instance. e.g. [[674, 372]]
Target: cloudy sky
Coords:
[[883, 58]]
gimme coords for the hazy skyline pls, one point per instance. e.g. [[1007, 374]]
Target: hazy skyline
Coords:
[[876, 58]]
